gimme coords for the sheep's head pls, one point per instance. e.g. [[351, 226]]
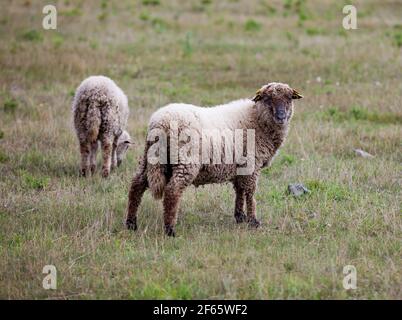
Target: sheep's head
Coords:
[[277, 98], [123, 143]]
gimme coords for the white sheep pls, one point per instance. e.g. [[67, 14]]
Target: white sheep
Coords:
[[268, 115], [100, 112]]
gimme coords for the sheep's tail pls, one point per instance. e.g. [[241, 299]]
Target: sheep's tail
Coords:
[[156, 180], [93, 121]]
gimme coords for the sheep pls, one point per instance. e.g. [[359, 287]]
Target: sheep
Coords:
[[267, 116], [100, 112]]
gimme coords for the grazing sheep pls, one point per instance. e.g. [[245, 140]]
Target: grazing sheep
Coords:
[[100, 112], [267, 115]]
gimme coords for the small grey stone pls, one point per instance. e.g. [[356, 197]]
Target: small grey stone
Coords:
[[362, 153], [297, 189], [312, 215]]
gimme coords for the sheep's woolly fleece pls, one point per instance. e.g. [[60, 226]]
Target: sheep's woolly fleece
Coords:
[[100, 111], [268, 114], [99, 104]]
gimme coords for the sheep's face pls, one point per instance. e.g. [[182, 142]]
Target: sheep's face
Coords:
[[277, 98], [123, 144]]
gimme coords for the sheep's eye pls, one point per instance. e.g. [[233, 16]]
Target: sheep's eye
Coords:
[[267, 101]]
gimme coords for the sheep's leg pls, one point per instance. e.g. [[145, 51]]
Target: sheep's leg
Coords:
[[171, 198], [107, 146], [251, 218], [181, 178], [94, 150], [239, 204], [85, 153], [250, 202], [137, 189], [114, 154]]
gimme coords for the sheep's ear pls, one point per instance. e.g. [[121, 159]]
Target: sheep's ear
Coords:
[[129, 143], [257, 96], [296, 95]]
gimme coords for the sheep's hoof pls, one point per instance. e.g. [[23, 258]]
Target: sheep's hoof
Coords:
[[240, 217], [131, 224], [253, 222], [83, 173], [105, 173], [169, 231]]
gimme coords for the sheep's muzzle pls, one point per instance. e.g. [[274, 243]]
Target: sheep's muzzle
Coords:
[[280, 114]]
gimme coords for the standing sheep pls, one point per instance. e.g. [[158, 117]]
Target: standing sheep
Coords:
[[268, 115], [100, 113]]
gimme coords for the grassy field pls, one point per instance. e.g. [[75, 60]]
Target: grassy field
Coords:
[[204, 52]]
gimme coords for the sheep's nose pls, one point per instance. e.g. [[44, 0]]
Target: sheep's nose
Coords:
[[280, 115]]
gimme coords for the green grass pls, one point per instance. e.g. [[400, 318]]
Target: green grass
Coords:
[[356, 113], [71, 12], [203, 52], [252, 25], [31, 182], [3, 157], [32, 35], [10, 105], [151, 2]]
